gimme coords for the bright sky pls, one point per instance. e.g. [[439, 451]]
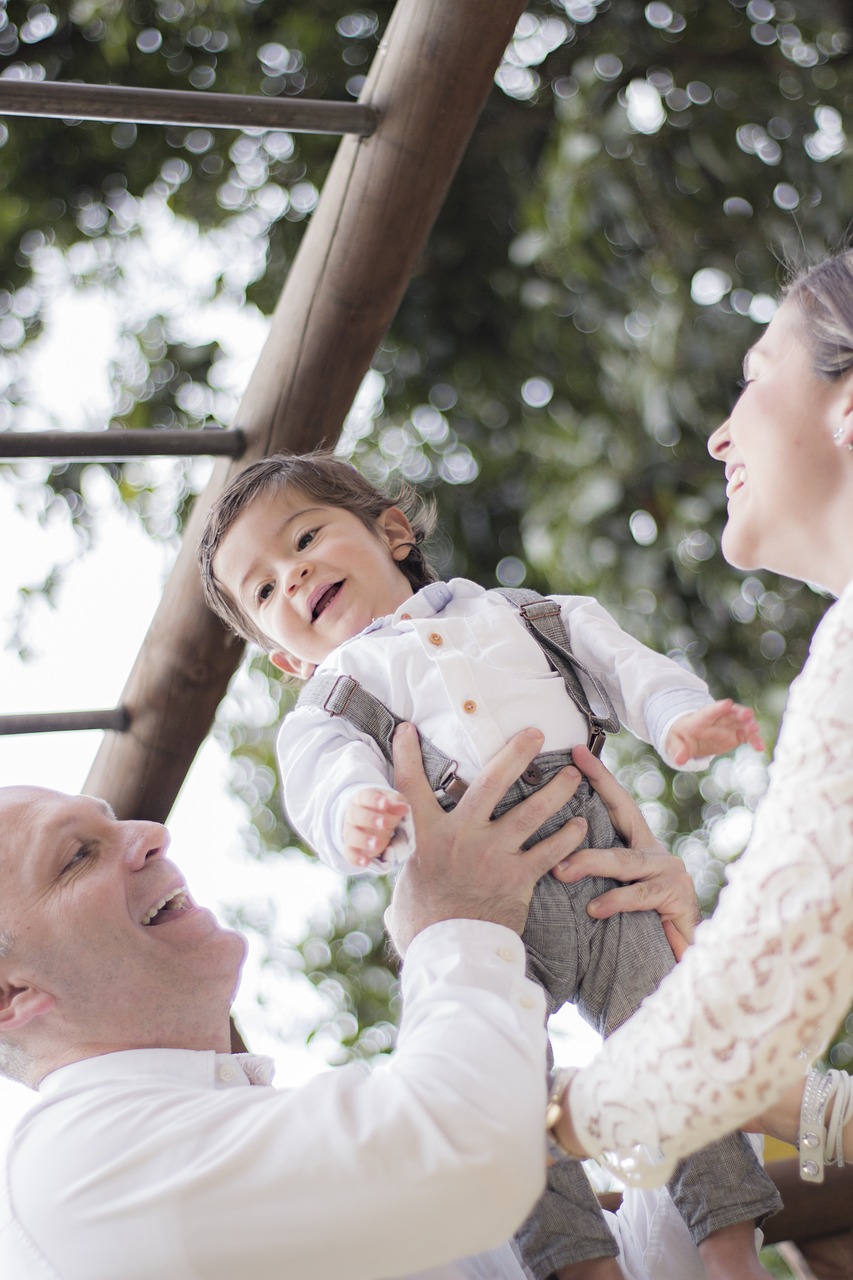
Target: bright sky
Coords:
[[84, 648]]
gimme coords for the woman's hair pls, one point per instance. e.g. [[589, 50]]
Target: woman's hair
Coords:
[[328, 480], [824, 294]]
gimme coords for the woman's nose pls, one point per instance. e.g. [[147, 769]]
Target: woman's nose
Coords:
[[720, 441]]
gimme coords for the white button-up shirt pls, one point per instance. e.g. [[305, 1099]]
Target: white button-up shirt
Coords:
[[163, 1164], [457, 661]]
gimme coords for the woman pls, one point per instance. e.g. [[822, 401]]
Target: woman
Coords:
[[757, 996]]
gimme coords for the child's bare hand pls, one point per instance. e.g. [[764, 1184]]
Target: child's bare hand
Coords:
[[712, 730], [371, 820]]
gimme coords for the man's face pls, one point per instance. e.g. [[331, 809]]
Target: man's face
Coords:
[[103, 928]]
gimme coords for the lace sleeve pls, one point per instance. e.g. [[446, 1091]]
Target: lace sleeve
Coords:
[[770, 975]]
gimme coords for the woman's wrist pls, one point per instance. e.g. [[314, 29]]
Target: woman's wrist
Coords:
[[826, 1112]]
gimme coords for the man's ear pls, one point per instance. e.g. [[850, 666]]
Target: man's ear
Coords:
[[394, 527], [292, 666], [20, 1005]]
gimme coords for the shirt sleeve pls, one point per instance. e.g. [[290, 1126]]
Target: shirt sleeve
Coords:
[[324, 763], [436, 1155], [770, 974], [649, 691]]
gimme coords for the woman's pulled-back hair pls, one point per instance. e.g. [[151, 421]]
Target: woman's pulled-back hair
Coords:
[[824, 294], [326, 479]]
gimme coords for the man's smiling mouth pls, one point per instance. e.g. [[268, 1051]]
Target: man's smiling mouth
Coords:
[[323, 601], [174, 900]]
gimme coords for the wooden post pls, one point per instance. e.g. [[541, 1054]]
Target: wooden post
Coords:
[[428, 82]]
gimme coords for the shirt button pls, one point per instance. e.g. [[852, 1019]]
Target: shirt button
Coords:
[[527, 1002], [227, 1073], [435, 638], [506, 953], [469, 706], [405, 617]]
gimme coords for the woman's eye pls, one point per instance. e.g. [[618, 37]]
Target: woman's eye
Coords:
[[305, 539]]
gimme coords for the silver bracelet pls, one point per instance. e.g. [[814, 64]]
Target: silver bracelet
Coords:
[[842, 1113], [812, 1140]]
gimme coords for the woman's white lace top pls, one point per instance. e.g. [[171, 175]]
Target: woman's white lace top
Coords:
[[770, 975]]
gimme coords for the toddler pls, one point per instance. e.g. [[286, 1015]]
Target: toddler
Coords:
[[307, 559]]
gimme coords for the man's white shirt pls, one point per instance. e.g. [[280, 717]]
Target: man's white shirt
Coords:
[[154, 1163]]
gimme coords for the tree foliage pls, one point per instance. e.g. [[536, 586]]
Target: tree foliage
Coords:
[[611, 245]]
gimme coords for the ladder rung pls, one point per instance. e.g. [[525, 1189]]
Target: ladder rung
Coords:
[[66, 721], [69, 101], [114, 444]]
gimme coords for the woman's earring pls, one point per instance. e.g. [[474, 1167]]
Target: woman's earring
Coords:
[[837, 437]]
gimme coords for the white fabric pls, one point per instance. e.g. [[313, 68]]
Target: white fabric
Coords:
[[452, 646], [770, 975], [159, 1163]]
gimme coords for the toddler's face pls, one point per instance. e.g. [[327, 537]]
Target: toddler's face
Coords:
[[311, 576]]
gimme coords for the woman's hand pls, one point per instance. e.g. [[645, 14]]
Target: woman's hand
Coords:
[[653, 880]]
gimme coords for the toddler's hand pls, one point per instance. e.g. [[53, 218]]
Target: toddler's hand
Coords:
[[719, 727], [371, 820]]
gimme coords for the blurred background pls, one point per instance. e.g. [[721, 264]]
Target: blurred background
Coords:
[[638, 186]]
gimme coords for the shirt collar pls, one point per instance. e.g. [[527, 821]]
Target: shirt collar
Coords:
[[425, 603], [203, 1068]]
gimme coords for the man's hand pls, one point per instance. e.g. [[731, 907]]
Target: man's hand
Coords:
[[371, 819], [654, 880], [465, 866], [719, 727]]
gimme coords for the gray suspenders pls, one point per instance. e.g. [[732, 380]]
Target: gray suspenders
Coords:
[[343, 696]]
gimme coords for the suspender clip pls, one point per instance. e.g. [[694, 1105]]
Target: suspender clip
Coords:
[[451, 784], [545, 608], [338, 699], [596, 739]]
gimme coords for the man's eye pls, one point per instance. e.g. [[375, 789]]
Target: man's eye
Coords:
[[79, 858], [305, 539]]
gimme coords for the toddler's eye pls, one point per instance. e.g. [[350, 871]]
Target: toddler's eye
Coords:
[[305, 539], [264, 592]]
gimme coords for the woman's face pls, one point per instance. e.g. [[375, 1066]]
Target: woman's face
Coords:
[[787, 481]]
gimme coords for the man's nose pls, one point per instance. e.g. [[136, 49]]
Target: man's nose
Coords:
[[719, 442], [148, 841]]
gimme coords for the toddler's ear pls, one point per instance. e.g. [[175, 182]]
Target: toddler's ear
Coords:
[[292, 666], [397, 532]]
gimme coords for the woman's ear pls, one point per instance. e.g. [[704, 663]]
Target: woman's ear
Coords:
[[292, 666], [842, 422], [394, 527]]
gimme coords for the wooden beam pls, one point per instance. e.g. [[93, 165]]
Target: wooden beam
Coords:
[[116, 718], [428, 82], [112, 445], [67, 100]]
